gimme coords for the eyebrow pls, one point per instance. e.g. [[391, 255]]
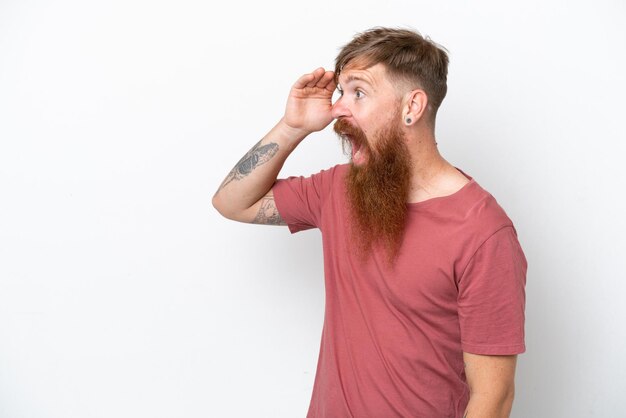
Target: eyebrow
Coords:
[[353, 77]]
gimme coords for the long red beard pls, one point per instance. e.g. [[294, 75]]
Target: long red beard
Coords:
[[378, 189]]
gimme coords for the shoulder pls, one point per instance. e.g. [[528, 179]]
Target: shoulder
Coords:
[[300, 199], [483, 210], [334, 173], [322, 182], [482, 219], [489, 230]]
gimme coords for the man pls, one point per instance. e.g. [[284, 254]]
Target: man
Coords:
[[424, 273]]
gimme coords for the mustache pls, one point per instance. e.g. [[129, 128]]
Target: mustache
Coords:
[[345, 129], [350, 136]]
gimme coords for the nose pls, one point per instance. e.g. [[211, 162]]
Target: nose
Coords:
[[339, 109]]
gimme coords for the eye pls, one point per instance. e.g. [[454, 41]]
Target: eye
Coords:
[[358, 94]]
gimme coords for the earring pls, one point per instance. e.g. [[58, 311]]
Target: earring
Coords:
[[408, 120]]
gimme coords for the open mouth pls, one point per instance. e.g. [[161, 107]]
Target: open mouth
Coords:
[[358, 156], [356, 147], [353, 136]]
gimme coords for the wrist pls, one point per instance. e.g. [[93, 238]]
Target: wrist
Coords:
[[293, 136]]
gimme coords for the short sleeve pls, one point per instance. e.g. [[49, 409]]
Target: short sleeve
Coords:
[[492, 298], [299, 200]]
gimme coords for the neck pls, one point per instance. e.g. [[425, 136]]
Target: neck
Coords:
[[432, 176]]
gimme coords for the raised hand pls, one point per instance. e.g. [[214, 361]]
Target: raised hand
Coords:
[[310, 101]]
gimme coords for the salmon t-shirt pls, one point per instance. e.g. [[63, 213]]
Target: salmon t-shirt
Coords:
[[393, 338]]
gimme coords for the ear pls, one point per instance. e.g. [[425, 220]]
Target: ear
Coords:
[[414, 108]]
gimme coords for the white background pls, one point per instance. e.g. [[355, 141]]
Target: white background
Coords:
[[123, 293]]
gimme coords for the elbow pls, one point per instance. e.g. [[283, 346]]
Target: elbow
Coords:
[[504, 401], [224, 209], [218, 205], [507, 400], [494, 403]]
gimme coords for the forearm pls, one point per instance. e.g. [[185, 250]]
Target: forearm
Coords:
[[253, 176]]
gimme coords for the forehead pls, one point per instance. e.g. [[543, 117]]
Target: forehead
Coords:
[[375, 76]]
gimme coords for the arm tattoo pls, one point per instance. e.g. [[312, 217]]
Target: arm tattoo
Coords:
[[268, 213], [258, 155]]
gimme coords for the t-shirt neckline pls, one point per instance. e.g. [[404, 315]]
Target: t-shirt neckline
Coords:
[[435, 200]]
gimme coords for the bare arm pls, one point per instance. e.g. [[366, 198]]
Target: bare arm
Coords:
[[245, 194], [491, 381]]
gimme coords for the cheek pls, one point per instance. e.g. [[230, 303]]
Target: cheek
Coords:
[[376, 122], [370, 126]]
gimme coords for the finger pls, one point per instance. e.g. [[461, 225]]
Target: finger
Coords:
[[303, 81], [326, 78], [332, 86], [318, 74]]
